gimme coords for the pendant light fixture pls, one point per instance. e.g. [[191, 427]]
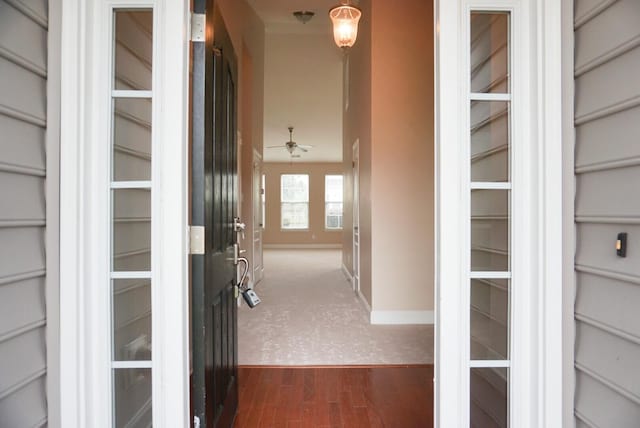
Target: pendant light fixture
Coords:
[[345, 24]]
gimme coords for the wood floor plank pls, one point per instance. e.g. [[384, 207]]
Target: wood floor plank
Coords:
[[349, 397]]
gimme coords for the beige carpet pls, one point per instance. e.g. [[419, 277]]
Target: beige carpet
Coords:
[[309, 315]]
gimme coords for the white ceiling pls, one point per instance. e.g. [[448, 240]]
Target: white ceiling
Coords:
[[303, 81], [277, 15]]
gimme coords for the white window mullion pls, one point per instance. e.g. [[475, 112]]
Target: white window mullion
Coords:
[[121, 93], [131, 184], [477, 96], [476, 185], [476, 364], [141, 364]]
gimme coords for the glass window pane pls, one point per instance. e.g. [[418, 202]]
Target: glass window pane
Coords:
[[132, 397], [131, 316], [489, 398], [133, 49], [489, 141], [132, 139], [295, 215], [131, 230], [333, 212], [333, 188], [490, 52], [489, 319], [295, 188], [490, 230]]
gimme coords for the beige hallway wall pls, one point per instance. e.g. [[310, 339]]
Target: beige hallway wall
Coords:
[[391, 113], [316, 234]]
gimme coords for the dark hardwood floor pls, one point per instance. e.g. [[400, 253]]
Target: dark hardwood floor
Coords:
[[381, 396]]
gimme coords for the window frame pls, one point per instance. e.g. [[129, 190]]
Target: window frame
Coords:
[[326, 203], [283, 202]]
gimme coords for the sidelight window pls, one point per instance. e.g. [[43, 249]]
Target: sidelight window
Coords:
[[130, 217], [490, 226]]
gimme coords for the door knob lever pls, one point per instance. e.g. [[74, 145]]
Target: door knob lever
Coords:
[[239, 227]]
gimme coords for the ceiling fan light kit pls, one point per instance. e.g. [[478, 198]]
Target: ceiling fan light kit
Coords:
[[303, 16], [345, 24], [291, 146]]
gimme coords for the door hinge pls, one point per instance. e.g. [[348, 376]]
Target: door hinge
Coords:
[[196, 240], [198, 27]]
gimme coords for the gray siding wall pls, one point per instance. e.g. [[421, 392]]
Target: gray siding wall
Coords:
[[607, 167], [23, 323]]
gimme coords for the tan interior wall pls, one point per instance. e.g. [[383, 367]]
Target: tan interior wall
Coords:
[[402, 156], [391, 112], [357, 126], [316, 234]]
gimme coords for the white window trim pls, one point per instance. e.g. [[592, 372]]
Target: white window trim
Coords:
[[537, 358], [84, 354]]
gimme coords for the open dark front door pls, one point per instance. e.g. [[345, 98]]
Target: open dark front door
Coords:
[[214, 199]]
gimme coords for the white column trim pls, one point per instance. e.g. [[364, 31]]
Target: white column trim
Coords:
[[449, 356], [171, 353], [549, 59]]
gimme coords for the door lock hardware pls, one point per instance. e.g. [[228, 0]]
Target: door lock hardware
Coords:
[[245, 271], [251, 298], [239, 227], [248, 294], [237, 251]]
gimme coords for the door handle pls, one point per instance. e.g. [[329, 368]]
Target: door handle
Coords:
[[238, 227]]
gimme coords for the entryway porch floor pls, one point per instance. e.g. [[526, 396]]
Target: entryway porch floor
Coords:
[[349, 397]]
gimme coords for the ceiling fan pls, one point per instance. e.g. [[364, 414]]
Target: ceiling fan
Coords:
[[291, 146]]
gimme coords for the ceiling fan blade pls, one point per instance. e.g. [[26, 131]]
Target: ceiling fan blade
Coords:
[[275, 147], [303, 149], [305, 146]]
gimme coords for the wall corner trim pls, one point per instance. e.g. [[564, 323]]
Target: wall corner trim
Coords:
[[402, 317], [364, 302], [346, 272]]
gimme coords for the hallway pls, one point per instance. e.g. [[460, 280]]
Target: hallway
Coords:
[[309, 315]]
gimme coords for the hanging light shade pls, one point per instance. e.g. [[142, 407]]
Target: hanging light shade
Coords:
[[345, 24]]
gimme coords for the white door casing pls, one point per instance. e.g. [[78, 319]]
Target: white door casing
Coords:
[[536, 354], [85, 210], [355, 281], [257, 192]]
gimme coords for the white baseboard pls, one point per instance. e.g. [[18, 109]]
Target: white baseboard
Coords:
[[302, 246], [346, 272], [402, 317]]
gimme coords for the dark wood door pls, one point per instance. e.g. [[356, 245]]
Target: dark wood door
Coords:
[[214, 199]]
